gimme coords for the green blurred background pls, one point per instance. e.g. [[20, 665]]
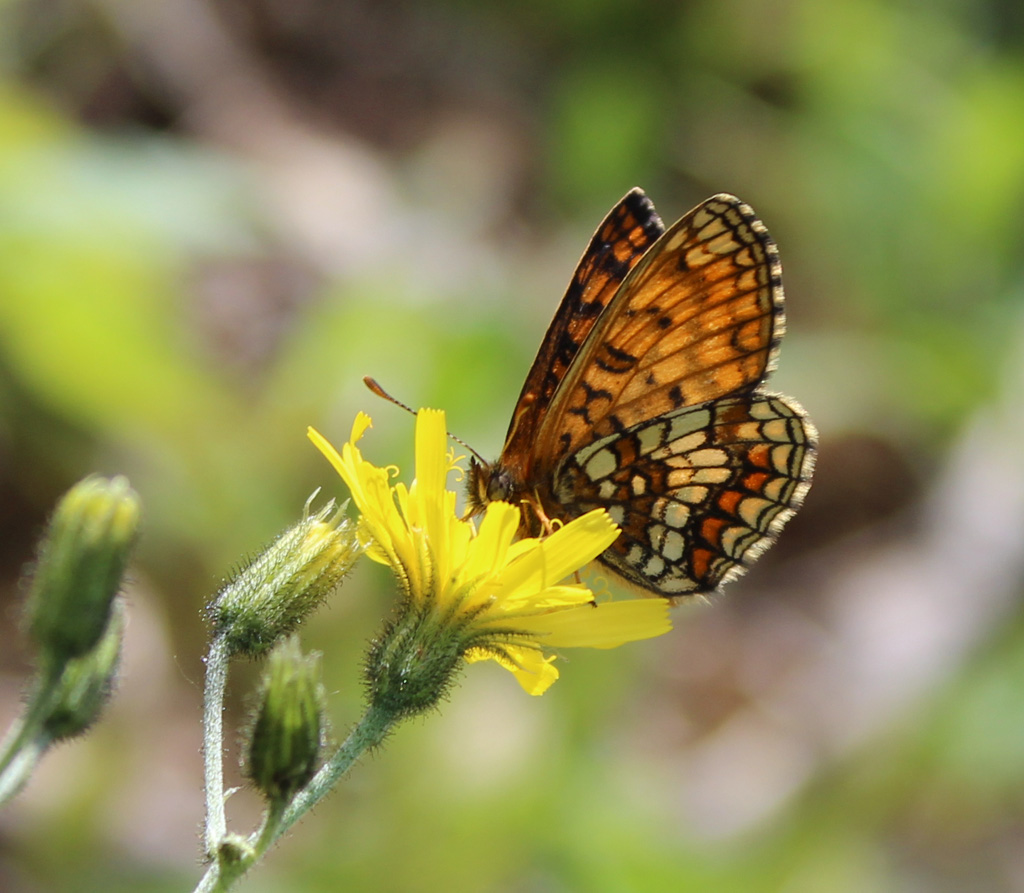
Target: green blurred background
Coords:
[[216, 216]]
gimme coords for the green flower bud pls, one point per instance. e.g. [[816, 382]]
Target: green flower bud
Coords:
[[284, 742], [86, 683], [277, 590], [81, 562]]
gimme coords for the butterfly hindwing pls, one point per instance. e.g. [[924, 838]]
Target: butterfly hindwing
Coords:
[[698, 318], [699, 493]]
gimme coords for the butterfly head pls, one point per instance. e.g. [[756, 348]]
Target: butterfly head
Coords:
[[487, 483]]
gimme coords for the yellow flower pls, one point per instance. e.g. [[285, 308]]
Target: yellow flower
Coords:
[[505, 600]]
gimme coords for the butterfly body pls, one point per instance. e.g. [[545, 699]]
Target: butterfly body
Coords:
[[646, 399]]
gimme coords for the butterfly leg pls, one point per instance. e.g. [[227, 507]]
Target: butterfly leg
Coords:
[[548, 525], [532, 506]]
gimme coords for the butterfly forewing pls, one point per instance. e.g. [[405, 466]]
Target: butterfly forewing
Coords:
[[624, 236], [699, 493], [698, 318]]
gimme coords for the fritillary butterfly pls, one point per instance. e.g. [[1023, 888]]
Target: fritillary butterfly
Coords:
[[646, 399]]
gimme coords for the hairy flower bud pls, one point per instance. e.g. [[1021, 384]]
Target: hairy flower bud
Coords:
[[286, 736], [280, 587], [81, 562]]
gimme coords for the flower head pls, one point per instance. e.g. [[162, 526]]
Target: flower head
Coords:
[[473, 593]]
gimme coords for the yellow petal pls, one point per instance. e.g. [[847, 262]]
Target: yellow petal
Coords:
[[431, 472], [567, 550], [534, 672], [431, 450], [491, 547], [606, 625], [428, 496], [359, 425], [508, 612], [325, 447]]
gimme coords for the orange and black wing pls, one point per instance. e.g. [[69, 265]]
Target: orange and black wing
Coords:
[[698, 493], [698, 318], [624, 236]]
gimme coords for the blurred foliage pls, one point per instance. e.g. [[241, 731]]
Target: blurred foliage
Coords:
[[217, 215]]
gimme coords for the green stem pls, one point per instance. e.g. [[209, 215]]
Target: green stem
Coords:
[[24, 742], [213, 742], [19, 768], [370, 732], [210, 881], [13, 741], [271, 830]]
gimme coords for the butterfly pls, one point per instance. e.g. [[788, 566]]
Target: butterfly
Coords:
[[647, 399]]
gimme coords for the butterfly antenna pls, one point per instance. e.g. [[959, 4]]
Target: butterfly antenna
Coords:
[[373, 385]]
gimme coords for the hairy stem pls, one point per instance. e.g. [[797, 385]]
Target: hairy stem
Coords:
[[25, 741], [370, 732], [213, 742]]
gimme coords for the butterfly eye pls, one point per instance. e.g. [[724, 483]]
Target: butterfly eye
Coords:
[[499, 485]]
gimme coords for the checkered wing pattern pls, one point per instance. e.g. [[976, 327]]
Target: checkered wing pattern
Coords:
[[699, 493]]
